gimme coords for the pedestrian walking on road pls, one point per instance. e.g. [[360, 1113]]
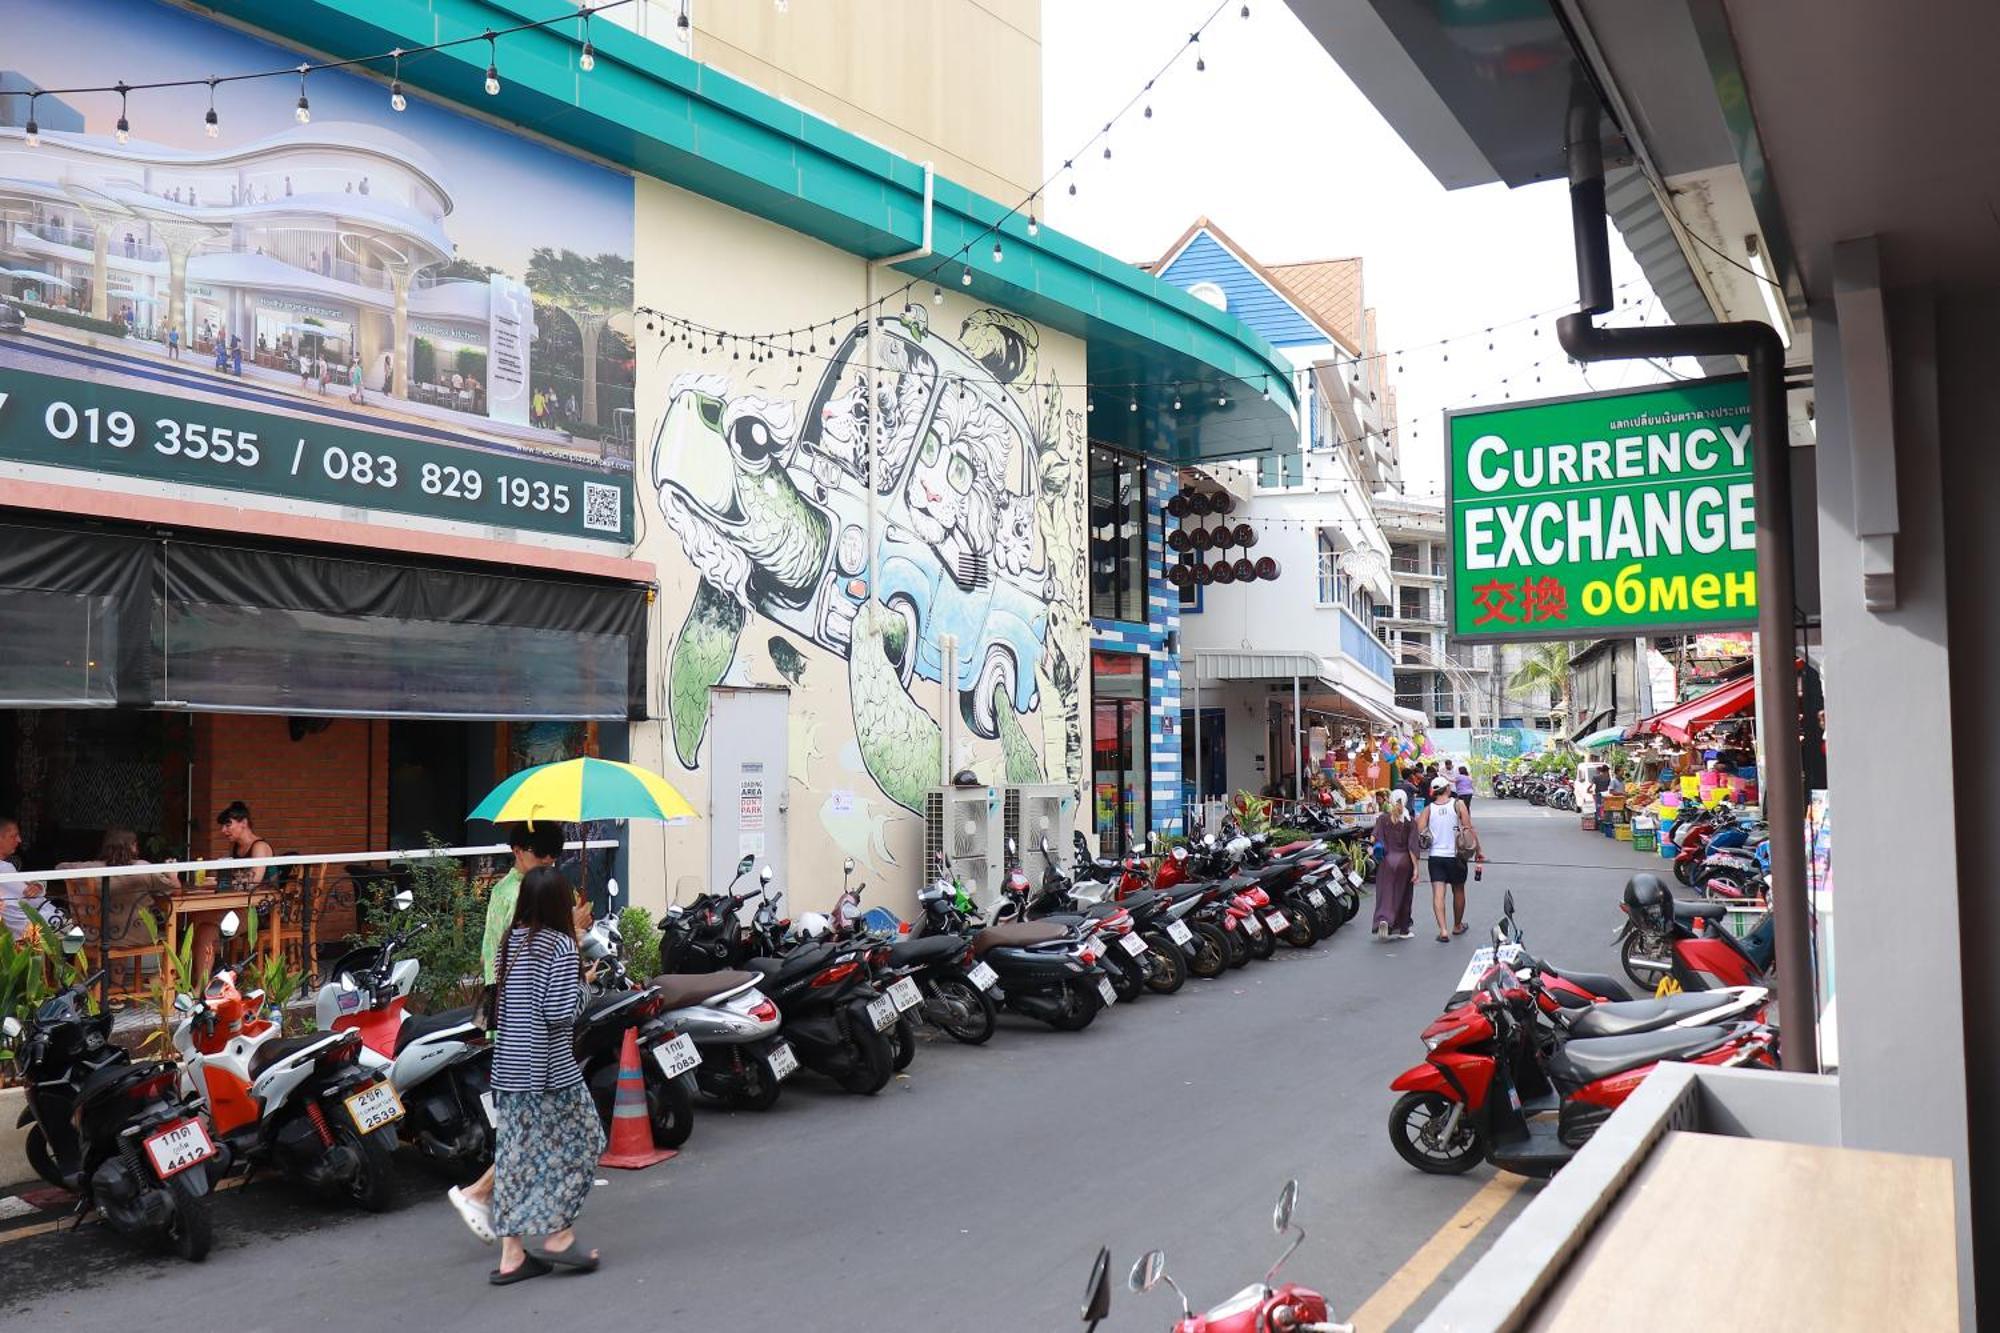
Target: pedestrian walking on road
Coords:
[[1396, 872], [1461, 786], [1445, 832], [549, 1137]]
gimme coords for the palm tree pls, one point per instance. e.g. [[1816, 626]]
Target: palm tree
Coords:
[[592, 291], [1545, 674]]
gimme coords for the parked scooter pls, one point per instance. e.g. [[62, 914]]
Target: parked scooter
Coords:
[[1045, 971], [441, 1064], [304, 1104], [952, 992], [1702, 954], [113, 1132], [1258, 1308], [668, 1057]]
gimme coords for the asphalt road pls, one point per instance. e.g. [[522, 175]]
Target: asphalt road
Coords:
[[970, 1195]]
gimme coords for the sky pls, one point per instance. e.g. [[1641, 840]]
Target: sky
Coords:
[[1275, 145], [495, 179]]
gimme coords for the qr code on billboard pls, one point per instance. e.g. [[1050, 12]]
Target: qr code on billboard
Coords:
[[601, 508]]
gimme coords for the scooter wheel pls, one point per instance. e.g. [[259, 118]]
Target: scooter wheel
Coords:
[[758, 1089], [669, 1110], [1301, 930], [1417, 1113], [1264, 943], [903, 1040], [1212, 953], [189, 1233], [373, 1185], [1683, 873], [1128, 980], [1239, 948], [42, 1159], [1169, 969], [1079, 1010], [1634, 946], [875, 1065], [965, 1012]]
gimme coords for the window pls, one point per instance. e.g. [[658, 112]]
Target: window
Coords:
[[1118, 767], [1117, 537]]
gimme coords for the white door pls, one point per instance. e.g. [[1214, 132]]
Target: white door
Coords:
[[750, 790]]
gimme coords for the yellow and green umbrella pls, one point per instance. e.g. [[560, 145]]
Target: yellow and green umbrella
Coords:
[[578, 791]]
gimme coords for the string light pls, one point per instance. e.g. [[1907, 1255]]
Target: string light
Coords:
[[210, 126], [397, 102], [32, 133], [965, 278], [124, 124], [1194, 40], [586, 59], [303, 114], [1034, 228], [937, 295], [998, 254], [492, 65]]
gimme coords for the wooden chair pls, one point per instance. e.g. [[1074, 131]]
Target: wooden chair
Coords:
[[126, 938]]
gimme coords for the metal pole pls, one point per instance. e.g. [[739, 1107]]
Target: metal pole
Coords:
[[1298, 745], [1777, 682], [1188, 827]]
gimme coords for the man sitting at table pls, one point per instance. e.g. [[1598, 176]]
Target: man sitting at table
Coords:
[[244, 844], [14, 895]]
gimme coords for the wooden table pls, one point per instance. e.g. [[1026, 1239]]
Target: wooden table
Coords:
[[1783, 1236], [191, 906]]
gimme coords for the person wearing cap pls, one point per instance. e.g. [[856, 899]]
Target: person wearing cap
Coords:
[[1444, 824]]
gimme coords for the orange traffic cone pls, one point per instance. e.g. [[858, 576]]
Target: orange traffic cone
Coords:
[[631, 1129]]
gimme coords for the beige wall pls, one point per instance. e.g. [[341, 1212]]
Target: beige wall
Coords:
[[958, 82], [736, 492]]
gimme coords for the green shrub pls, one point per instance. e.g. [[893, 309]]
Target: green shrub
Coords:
[[642, 943], [453, 910], [71, 319]]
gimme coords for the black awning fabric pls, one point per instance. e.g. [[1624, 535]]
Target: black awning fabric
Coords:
[[222, 628], [76, 618]]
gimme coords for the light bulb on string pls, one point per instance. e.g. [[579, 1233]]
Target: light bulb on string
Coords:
[[31, 134], [397, 102], [303, 112], [965, 277], [1194, 40], [681, 19], [1034, 227], [210, 126], [586, 59], [492, 65], [937, 296], [124, 130], [998, 254]]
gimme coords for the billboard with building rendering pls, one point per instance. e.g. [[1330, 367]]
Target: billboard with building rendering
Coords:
[[404, 311]]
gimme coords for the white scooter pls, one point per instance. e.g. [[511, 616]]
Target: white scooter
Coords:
[[305, 1104], [440, 1064]]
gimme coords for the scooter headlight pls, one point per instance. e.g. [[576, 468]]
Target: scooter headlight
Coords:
[[1433, 1040]]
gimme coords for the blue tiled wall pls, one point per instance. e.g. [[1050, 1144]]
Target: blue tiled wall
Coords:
[[1163, 670]]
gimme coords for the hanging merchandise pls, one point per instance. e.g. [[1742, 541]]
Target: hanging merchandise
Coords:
[[1267, 569], [1222, 572], [1244, 535], [1203, 576]]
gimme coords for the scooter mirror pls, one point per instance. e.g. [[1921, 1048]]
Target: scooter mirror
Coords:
[[72, 942], [405, 900], [1096, 1296], [1147, 1272], [744, 866], [1288, 1199], [1499, 935], [1507, 902], [1012, 849], [847, 866], [764, 875], [611, 888], [10, 1027], [347, 982], [230, 925], [183, 1005]]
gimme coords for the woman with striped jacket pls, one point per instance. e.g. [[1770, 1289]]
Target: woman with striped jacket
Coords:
[[549, 1138]]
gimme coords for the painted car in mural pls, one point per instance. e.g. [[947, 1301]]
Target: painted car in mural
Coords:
[[772, 510]]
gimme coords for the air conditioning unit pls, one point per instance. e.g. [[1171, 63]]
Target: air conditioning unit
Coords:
[[963, 824], [1036, 811]]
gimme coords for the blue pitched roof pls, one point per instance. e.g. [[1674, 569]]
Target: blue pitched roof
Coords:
[[1251, 299]]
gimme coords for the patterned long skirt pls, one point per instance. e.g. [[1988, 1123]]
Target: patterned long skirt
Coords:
[[544, 1157]]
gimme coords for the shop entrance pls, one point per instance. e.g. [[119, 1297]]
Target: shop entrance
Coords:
[[749, 794]]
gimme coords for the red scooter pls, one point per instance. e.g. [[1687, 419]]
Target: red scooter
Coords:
[[1258, 1308], [1705, 956], [1493, 1070]]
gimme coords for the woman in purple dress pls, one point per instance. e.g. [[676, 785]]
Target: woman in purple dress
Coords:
[[1395, 874]]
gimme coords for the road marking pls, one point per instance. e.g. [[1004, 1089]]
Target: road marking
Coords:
[[1407, 1284], [12, 1234]]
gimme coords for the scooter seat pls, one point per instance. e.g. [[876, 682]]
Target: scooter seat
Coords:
[[680, 989], [422, 1025], [1688, 910], [1588, 1059], [1623, 1018], [925, 951], [1016, 935], [808, 958], [279, 1048], [1594, 982]]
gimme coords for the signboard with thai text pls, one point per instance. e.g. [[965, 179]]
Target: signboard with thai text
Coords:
[[1621, 513]]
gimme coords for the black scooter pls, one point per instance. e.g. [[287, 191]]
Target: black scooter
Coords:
[[112, 1131], [1045, 973]]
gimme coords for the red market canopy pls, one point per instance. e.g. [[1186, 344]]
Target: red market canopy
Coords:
[[1682, 721]]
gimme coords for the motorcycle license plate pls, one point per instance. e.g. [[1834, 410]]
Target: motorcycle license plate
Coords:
[[1278, 922], [882, 1013], [1354, 878], [1132, 944], [1252, 925], [372, 1108], [983, 976], [1315, 897], [1178, 932], [175, 1150], [1104, 989], [492, 1111], [676, 1055], [783, 1063], [905, 994]]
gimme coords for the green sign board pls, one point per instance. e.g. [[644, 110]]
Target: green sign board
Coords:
[[1617, 513], [118, 430]]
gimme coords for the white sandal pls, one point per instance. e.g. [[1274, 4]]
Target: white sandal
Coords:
[[478, 1217]]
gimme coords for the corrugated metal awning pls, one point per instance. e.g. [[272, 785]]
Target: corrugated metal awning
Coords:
[[1247, 664]]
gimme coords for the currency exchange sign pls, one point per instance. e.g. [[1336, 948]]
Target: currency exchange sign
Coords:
[[1618, 513]]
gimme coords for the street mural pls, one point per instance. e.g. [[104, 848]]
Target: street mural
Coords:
[[979, 555]]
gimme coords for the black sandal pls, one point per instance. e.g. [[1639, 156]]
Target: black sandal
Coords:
[[569, 1258], [1458, 929], [530, 1267], [1444, 939]]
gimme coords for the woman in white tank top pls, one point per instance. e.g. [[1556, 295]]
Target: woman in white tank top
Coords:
[[1441, 820]]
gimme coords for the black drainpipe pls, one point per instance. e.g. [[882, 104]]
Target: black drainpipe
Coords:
[[1783, 783]]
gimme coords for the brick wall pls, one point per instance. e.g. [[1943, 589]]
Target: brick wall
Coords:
[[325, 792]]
